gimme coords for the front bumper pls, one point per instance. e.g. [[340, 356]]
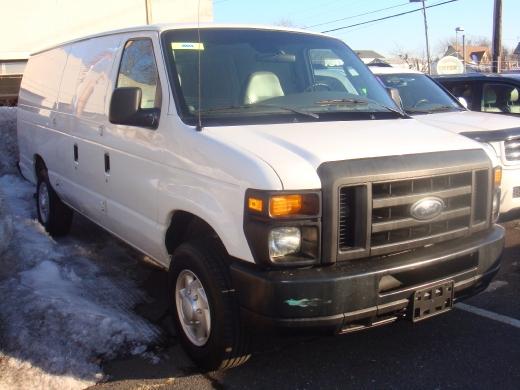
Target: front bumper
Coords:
[[368, 292]]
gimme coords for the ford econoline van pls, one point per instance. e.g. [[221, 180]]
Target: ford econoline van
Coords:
[[272, 194]]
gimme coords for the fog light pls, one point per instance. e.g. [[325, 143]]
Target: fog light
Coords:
[[284, 241]]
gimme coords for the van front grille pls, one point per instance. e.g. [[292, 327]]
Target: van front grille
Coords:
[[392, 226], [512, 149]]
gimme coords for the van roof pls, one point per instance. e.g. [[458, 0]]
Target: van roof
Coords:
[[178, 26]]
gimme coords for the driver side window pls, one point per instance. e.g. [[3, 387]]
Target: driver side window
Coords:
[[139, 69]]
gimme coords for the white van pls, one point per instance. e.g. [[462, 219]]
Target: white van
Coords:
[[431, 104], [274, 195]]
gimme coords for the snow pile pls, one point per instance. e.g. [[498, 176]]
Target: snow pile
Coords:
[[64, 308], [9, 146]]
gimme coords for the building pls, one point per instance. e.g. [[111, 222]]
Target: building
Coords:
[[370, 57], [33, 25], [474, 56]]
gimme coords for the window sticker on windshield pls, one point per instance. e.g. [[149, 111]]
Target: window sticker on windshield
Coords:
[[187, 46]]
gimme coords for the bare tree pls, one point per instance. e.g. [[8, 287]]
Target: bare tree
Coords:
[[285, 22]]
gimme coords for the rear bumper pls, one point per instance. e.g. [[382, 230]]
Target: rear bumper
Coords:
[[362, 293]]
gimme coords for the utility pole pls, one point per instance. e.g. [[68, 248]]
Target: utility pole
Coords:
[[148, 8], [425, 34], [497, 37]]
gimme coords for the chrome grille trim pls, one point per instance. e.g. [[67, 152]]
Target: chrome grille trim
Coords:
[[512, 149]]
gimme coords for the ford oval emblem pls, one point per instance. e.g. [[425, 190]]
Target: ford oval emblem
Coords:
[[427, 208]]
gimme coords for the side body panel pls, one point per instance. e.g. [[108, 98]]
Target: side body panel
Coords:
[[82, 117], [36, 125]]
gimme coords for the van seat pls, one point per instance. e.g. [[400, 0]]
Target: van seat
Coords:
[[262, 86]]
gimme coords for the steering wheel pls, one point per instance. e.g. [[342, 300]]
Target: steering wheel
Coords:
[[312, 87], [421, 102]]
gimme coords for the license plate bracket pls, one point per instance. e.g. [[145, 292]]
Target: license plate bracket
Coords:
[[432, 300]]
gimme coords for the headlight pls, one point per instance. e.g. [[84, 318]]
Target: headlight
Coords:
[[284, 241], [283, 228]]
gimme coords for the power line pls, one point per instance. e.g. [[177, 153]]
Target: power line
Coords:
[[355, 16], [388, 17]]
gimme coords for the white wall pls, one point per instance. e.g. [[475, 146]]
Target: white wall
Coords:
[[29, 25]]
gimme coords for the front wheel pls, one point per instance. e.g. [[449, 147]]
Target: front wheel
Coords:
[[53, 214], [205, 306]]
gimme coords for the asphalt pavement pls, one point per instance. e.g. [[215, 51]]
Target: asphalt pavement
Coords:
[[475, 346]]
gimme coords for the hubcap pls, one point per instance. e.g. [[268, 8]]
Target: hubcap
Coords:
[[43, 202], [192, 308]]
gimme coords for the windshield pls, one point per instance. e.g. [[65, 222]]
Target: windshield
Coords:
[[420, 94], [247, 75]]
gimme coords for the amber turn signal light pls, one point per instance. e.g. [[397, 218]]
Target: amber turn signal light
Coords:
[[498, 176], [281, 206], [255, 204], [284, 205]]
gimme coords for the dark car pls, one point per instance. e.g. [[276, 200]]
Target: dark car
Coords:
[[486, 92]]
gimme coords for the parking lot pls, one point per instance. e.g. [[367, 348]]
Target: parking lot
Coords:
[[477, 345]]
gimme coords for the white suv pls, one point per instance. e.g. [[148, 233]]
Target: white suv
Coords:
[[430, 103], [272, 194]]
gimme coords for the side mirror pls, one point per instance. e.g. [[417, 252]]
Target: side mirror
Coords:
[[124, 109], [396, 97], [463, 102]]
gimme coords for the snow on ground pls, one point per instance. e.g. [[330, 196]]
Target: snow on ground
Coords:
[[9, 147], [64, 308]]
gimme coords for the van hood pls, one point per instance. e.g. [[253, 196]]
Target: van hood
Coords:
[[296, 150], [469, 121]]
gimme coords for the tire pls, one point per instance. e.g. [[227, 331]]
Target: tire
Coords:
[[226, 345], [53, 214]]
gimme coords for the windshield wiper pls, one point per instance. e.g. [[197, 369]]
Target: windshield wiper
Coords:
[[240, 107], [433, 110], [349, 101]]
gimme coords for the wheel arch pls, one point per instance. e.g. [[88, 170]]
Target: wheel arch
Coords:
[[39, 165], [185, 225]]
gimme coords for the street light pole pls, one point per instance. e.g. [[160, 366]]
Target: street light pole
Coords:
[[457, 40], [457, 30], [425, 34]]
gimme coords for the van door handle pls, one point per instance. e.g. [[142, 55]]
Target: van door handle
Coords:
[[107, 163], [76, 153]]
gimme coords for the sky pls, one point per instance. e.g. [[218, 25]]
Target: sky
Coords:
[[403, 34]]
